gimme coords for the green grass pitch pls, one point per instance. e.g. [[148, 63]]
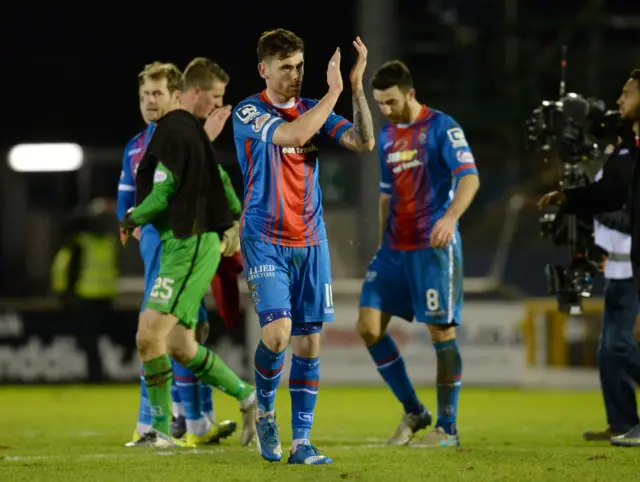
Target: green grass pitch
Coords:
[[77, 434]]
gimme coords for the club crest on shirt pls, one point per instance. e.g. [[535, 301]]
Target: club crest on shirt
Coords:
[[254, 294], [422, 137]]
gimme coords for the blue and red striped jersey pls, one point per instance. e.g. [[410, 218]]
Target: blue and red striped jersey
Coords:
[[133, 152], [282, 197], [420, 164]]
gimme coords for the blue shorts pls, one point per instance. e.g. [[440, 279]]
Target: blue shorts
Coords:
[[150, 249], [425, 284], [292, 283]]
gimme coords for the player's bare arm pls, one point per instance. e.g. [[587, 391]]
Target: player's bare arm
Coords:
[[359, 137], [445, 227], [383, 215], [298, 132], [467, 188]]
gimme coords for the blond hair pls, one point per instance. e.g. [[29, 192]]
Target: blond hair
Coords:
[[162, 70]]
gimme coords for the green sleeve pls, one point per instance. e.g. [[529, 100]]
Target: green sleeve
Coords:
[[164, 186], [230, 192]]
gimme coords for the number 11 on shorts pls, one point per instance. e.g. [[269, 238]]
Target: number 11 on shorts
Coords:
[[328, 295]]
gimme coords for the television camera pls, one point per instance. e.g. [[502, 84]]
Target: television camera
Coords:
[[575, 131]]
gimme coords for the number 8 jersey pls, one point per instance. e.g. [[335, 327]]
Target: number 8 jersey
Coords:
[[420, 164]]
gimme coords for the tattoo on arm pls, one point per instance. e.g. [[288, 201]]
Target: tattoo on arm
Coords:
[[362, 121]]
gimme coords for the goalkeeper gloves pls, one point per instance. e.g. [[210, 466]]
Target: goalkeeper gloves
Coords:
[[230, 243], [127, 226]]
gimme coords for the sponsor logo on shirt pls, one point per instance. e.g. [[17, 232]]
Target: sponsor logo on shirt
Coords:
[[300, 150], [456, 137], [403, 160], [247, 113], [465, 157], [159, 176], [260, 122]]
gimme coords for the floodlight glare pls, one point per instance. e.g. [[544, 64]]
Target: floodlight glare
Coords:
[[56, 157]]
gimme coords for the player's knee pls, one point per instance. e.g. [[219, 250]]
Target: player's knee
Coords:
[[306, 346], [369, 326], [147, 342], [442, 333], [153, 328], [276, 334], [181, 344]]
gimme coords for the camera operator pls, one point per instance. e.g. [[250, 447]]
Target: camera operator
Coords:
[[618, 188], [612, 233]]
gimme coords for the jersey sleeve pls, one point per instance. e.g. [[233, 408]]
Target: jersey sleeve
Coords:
[[164, 186], [335, 126], [386, 178], [455, 149], [607, 194], [232, 198], [251, 120], [126, 186]]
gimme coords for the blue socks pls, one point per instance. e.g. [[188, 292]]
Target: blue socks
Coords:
[[268, 367], [144, 412], [206, 401], [448, 384], [303, 387], [304, 380], [176, 409], [188, 387], [391, 367]]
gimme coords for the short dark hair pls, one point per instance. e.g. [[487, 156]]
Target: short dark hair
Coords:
[[202, 72], [392, 73], [162, 70], [278, 44], [635, 75]]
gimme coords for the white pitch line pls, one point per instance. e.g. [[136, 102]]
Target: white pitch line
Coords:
[[177, 452], [356, 447], [85, 434]]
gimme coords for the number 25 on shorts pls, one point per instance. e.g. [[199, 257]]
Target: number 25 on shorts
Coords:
[[162, 289]]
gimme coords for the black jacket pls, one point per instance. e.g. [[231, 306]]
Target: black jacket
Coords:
[[617, 189], [619, 220], [199, 204]]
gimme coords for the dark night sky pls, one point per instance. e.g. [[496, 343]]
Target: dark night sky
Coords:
[[70, 75]]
